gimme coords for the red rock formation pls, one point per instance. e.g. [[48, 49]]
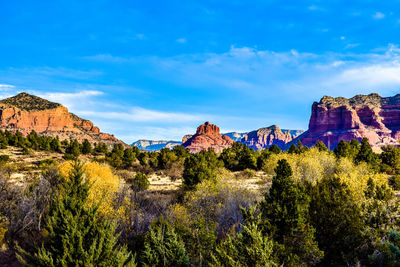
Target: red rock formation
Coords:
[[371, 116], [25, 113], [266, 137], [207, 136]]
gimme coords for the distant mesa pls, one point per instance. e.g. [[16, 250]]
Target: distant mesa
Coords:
[[25, 112], [266, 137], [207, 136], [150, 145], [372, 116]]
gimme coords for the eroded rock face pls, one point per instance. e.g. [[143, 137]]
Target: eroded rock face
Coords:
[[25, 113], [371, 116], [207, 136], [266, 137]]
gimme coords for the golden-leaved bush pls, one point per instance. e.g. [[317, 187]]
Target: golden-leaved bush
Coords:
[[104, 185]]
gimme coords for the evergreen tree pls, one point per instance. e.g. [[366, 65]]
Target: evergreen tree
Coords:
[[275, 149], [342, 150], [162, 247], [294, 149], [86, 147], [199, 167], [337, 219], [55, 145], [321, 146], [285, 215], [76, 234], [249, 248], [73, 150], [129, 157], [367, 155]]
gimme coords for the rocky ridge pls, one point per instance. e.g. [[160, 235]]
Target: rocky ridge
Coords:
[[266, 137], [151, 145], [372, 116], [207, 136], [25, 112]]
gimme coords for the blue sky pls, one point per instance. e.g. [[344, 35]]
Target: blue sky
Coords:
[[158, 69]]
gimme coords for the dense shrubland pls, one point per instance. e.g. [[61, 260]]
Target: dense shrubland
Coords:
[[323, 208]]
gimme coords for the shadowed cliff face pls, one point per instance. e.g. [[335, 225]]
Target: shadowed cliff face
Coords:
[[25, 113], [207, 136], [371, 116]]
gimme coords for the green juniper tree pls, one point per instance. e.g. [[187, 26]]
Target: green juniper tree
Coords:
[[76, 234], [162, 247], [285, 217]]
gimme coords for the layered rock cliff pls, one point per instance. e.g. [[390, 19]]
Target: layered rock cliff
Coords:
[[266, 137], [207, 136], [151, 145], [25, 112], [371, 116]]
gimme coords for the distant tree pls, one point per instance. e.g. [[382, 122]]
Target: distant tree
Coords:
[[86, 147], [367, 155], [275, 149], [342, 150], [199, 167], [76, 234], [166, 158], [321, 146], [390, 157], [118, 149], [180, 151], [55, 144], [73, 150], [101, 148], [140, 182], [294, 149], [129, 157]]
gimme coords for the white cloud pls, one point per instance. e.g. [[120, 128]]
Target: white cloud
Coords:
[[378, 15], [71, 100], [181, 40], [6, 86], [139, 114]]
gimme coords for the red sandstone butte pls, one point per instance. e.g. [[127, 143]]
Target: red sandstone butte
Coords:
[[207, 136], [25, 112], [372, 116]]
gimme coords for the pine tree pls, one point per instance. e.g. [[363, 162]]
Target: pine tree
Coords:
[[321, 146], [249, 248], [285, 215], [162, 247], [86, 147], [337, 219], [275, 149], [129, 157], [76, 234]]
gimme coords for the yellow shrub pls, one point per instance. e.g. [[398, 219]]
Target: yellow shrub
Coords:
[[3, 230], [104, 184], [313, 165], [357, 176]]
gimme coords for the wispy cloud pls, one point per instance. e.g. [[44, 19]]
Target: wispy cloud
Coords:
[[6, 86], [72, 100], [181, 40], [378, 15], [139, 114]]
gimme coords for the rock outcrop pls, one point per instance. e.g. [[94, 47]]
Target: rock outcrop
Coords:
[[372, 116], [266, 137], [25, 112], [207, 136], [151, 145]]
